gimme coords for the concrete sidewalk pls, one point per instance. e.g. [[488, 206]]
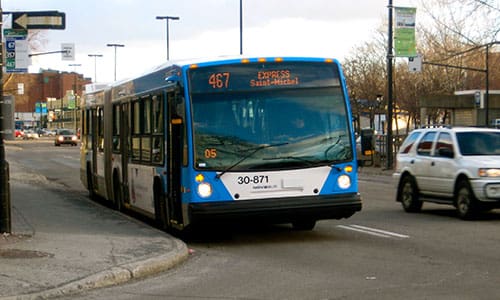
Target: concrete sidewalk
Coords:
[[61, 245]]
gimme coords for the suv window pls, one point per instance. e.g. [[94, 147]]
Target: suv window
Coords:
[[409, 141], [479, 143], [444, 142], [425, 145]]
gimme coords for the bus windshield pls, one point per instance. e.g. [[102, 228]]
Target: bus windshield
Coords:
[[278, 127]]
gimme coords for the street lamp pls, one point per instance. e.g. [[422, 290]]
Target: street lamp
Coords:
[[115, 46], [95, 56], [241, 27], [167, 18]]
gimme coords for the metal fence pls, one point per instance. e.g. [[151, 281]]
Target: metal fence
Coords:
[[378, 158]]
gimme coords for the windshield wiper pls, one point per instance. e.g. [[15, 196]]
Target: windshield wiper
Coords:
[[247, 156], [310, 162]]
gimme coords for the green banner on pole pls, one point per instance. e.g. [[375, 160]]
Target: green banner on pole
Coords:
[[404, 33], [71, 102]]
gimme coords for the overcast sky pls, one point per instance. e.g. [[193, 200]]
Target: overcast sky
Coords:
[[326, 28]]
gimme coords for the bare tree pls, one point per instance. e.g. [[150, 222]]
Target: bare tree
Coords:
[[37, 40], [446, 33]]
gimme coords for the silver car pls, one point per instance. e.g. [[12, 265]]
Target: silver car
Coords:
[[65, 136], [449, 165]]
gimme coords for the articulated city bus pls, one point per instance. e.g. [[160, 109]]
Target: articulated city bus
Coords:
[[225, 140]]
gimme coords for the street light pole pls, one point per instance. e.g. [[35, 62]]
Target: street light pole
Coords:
[[115, 46], [389, 159], [95, 56], [167, 18], [241, 27]]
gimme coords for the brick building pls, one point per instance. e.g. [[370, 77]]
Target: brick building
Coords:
[[38, 90]]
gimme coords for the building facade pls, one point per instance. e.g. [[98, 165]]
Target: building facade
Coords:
[[49, 99]]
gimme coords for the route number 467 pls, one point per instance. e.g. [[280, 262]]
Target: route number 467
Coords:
[[219, 80]]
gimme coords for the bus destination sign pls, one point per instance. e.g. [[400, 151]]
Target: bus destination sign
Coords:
[[256, 76]]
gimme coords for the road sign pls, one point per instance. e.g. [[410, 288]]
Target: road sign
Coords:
[[68, 51], [415, 63], [16, 50], [39, 20]]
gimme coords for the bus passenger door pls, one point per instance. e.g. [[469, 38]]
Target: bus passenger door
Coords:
[[95, 148], [175, 142]]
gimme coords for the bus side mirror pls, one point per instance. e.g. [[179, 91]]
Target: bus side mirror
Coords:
[[173, 79]]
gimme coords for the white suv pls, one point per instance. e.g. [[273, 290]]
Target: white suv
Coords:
[[450, 165]]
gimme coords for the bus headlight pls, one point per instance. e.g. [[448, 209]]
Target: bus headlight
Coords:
[[344, 181], [204, 190]]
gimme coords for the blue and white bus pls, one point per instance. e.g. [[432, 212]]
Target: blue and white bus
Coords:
[[226, 140]]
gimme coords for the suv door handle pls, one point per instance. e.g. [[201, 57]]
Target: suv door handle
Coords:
[[433, 163], [412, 161]]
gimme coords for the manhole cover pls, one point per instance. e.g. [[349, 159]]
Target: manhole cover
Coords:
[[18, 253]]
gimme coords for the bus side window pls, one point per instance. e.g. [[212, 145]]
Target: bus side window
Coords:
[[157, 151], [136, 130], [116, 128], [100, 128]]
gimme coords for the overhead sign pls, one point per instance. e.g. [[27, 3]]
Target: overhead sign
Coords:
[[39, 20], [16, 50], [68, 51]]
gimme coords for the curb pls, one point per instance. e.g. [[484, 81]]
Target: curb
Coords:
[[114, 276]]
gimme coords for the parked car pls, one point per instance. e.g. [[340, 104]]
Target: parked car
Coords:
[[30, 135], [65, 136], [459, 166], [19, 133], [46, 132]]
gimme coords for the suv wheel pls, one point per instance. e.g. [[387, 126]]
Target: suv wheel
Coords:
[[408, 195], [465, 201]]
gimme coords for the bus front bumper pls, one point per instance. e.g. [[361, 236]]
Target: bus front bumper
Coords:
[[276, 210]]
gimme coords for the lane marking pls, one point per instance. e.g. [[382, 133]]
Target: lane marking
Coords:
[[373, 231]]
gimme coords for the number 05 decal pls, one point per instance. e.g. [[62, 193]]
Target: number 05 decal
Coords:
[[210, 153]]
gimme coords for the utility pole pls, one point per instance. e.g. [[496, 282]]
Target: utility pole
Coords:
[[5, 215], [389, 158]]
